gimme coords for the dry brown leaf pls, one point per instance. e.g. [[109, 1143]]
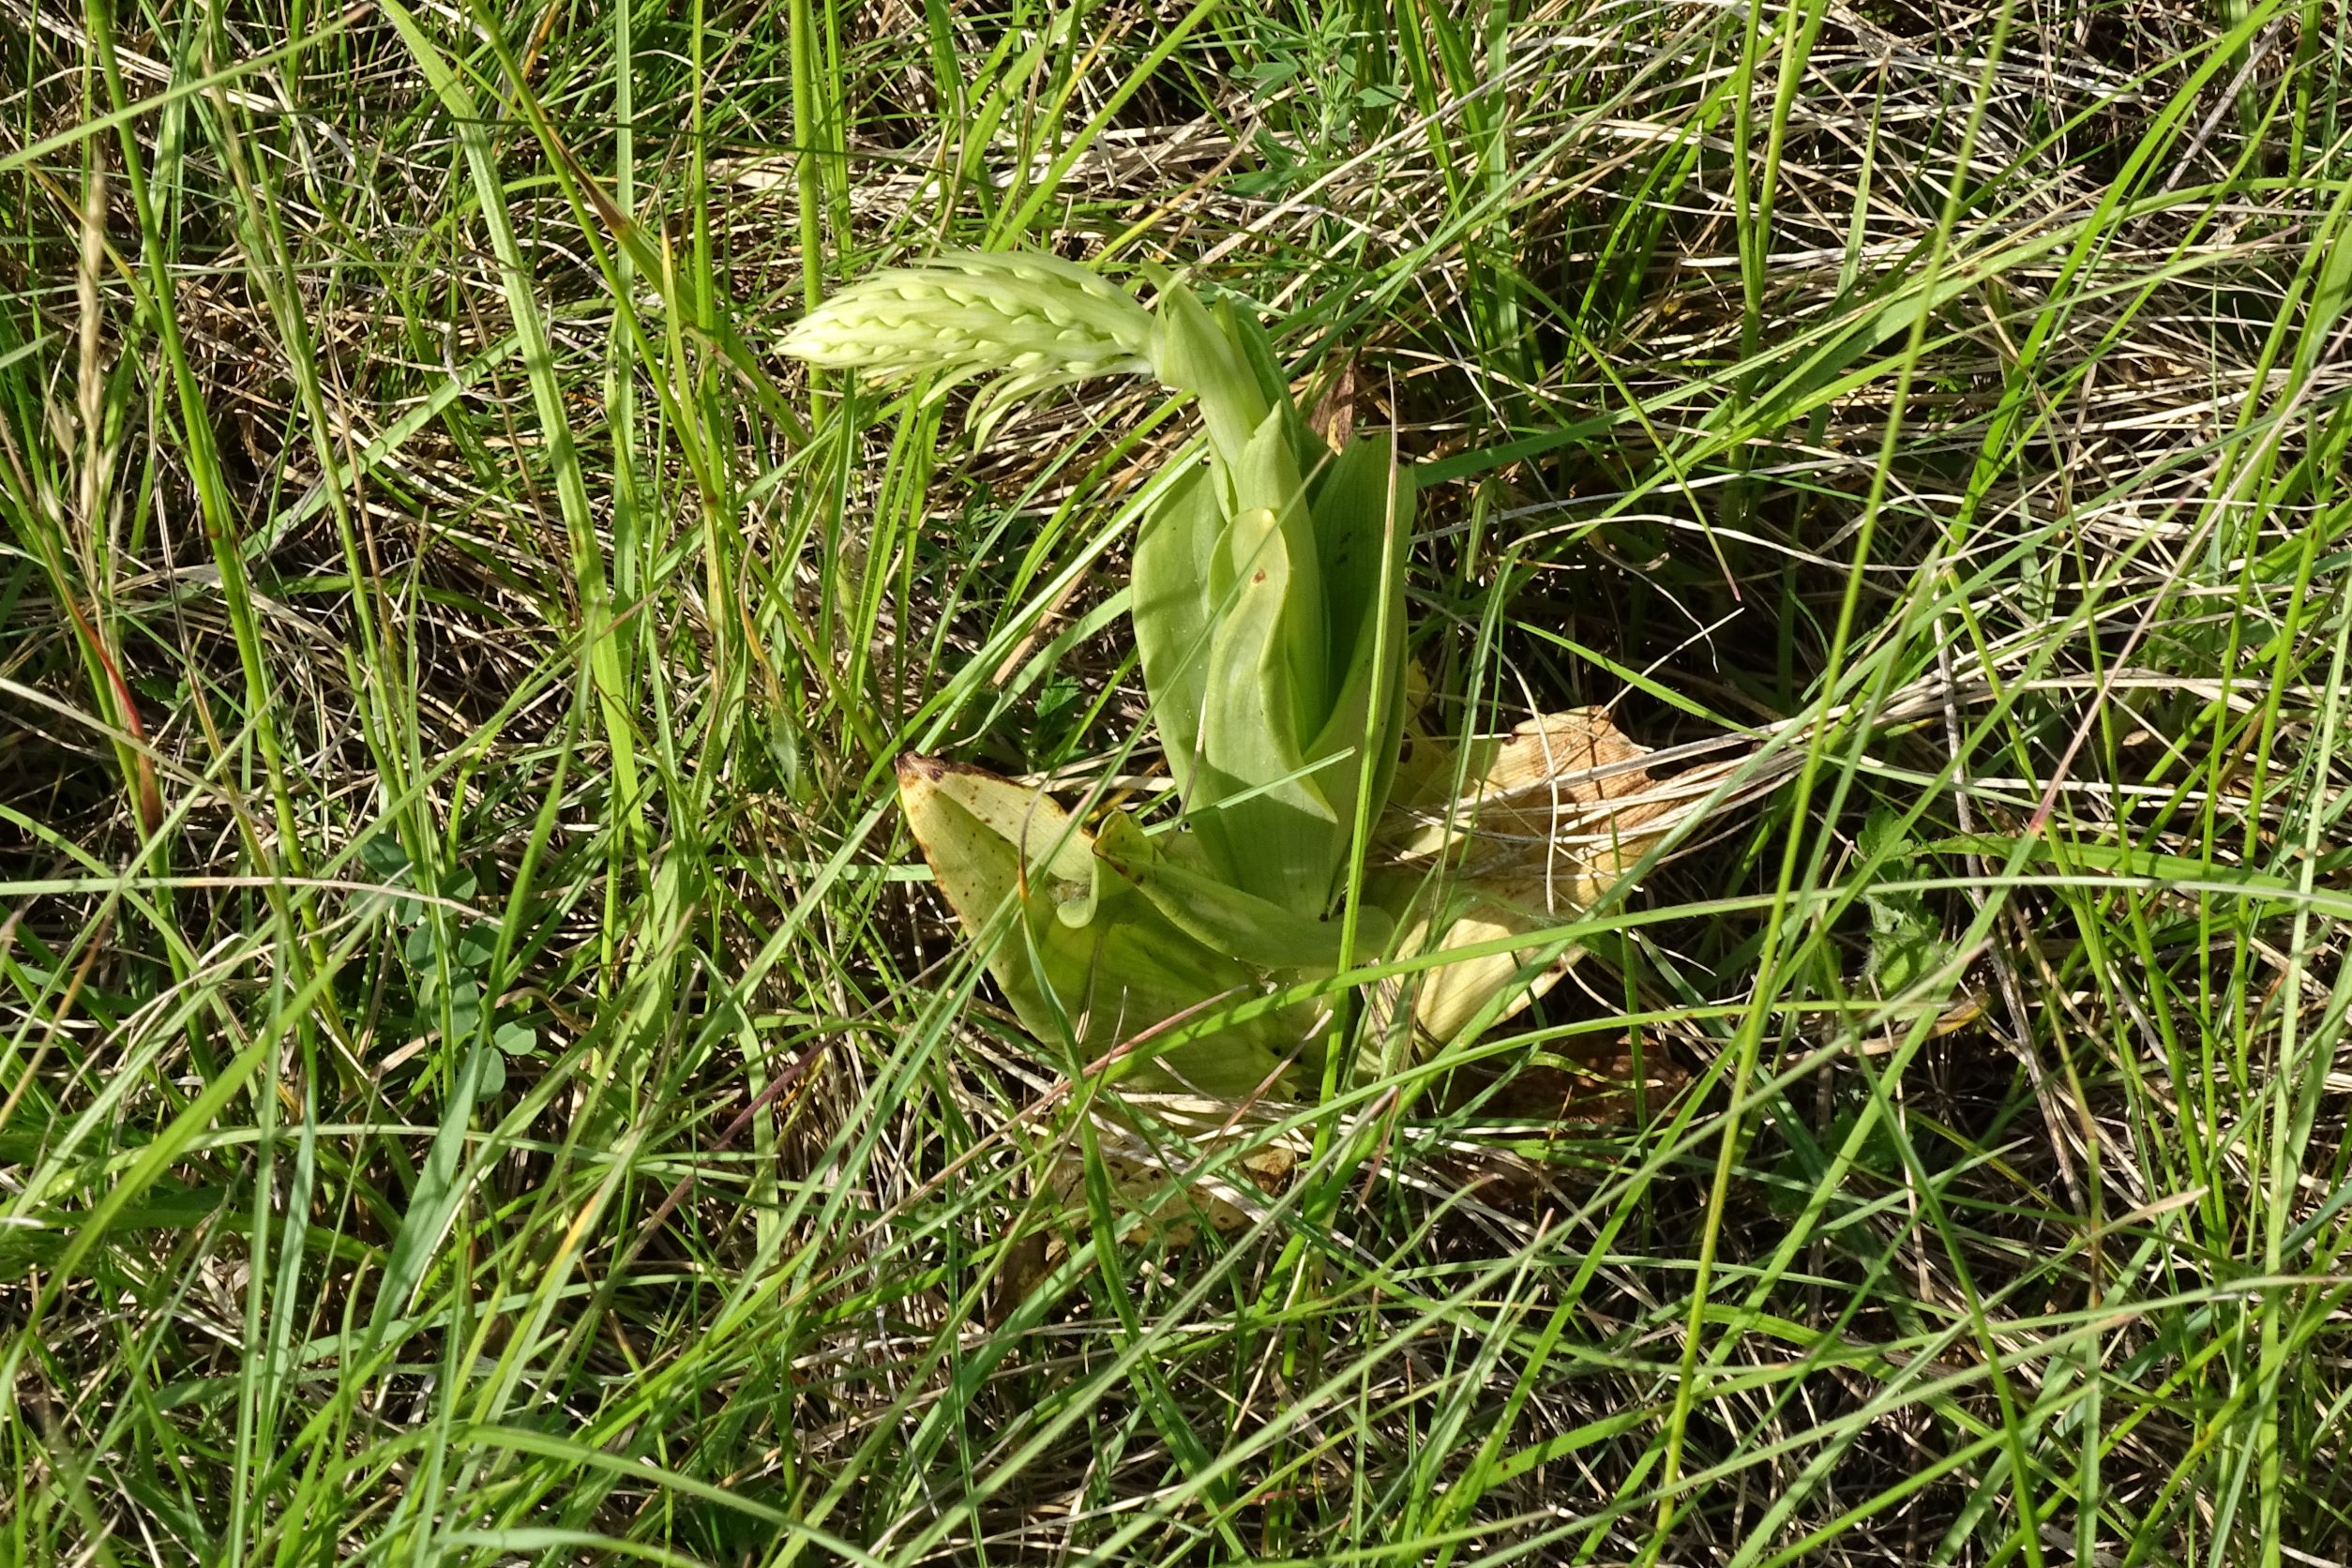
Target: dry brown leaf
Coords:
[[1334, 414], [1561, 805], [1557, 811]]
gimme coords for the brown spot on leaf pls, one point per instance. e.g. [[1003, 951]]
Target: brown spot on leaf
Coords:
[[1334, 414], [914, 765]]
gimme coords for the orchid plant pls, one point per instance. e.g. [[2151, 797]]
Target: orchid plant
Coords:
[[1269, 611]]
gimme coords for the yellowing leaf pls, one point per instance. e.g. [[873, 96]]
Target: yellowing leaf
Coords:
[[1082, 957]]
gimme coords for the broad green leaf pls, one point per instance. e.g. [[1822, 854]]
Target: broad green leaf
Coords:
[[1266, 486], [1363, 509], [1257, 604], [1267, 825], [1093, 985], [1228, 920], [1256, 350], [1172, 613]]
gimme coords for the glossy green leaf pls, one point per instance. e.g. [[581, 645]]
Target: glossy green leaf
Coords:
[[1363, 509], [1186, 889], [1268, 490], [1255, 350], [1265, 821], [1172, 613], [1094, 985], [1260, 597]]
